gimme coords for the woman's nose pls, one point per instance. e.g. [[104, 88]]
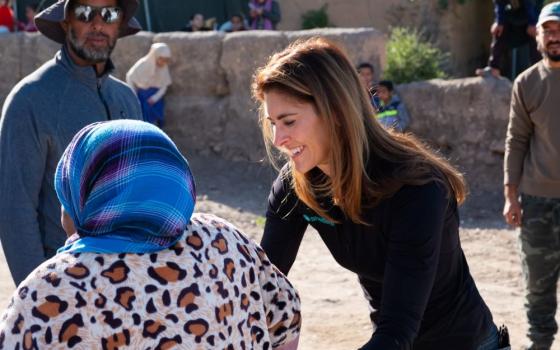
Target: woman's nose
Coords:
[[280, 136]]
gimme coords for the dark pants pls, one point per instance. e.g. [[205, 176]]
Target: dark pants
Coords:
[[491, 342], [540, 249], [512, 37]]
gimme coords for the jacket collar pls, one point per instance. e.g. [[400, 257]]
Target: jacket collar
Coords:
[[87, 74]]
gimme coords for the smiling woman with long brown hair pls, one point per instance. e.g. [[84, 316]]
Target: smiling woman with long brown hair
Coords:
[[384, 204]]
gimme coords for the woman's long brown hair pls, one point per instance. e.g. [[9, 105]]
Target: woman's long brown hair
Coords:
[[368, 163]]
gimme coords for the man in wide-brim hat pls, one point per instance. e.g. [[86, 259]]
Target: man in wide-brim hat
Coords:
[[44, 111], [64, 21]]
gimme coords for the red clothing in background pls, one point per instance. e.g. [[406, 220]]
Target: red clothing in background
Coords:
[[7, 17]]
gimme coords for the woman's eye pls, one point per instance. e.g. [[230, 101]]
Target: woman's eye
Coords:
[[289, 122]]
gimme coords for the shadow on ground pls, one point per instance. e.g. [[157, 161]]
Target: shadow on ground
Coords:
[[242, 185]]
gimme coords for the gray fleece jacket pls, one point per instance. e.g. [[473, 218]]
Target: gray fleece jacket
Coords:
[[39, 118]]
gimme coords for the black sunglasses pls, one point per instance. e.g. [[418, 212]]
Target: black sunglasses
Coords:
[[86, 13]]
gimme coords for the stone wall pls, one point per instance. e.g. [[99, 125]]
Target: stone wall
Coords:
[[210, 111], [466, 119], [209, 108], [463, 30]]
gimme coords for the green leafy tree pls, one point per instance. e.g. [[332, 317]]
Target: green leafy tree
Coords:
[[316, 18], [410, 58]]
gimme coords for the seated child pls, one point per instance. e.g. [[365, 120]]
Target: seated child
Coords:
[[392, 111]]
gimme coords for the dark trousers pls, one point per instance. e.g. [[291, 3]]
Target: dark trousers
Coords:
[[540, 250], [492, 342], [512, 37]]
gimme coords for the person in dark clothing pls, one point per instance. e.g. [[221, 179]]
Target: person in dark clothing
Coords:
[[514, 26], [196, 24], [385, 206]]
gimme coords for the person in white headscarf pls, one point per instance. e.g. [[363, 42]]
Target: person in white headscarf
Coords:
[[150, 78]]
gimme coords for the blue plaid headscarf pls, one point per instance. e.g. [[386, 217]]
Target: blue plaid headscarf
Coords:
[[127, 188]]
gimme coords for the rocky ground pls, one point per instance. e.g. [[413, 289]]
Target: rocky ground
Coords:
[[334, 311]]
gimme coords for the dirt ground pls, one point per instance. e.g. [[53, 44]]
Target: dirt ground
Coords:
[[334, 311]]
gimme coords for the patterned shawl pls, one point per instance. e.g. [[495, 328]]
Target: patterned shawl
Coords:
[[127, 188]]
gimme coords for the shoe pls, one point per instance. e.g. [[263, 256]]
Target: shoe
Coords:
[[533, 346], [487, 72]]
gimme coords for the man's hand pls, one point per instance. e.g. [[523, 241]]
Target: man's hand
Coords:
[[532, 31], [512, 208], [496, 29]]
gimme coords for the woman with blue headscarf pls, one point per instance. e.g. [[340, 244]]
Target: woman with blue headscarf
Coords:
[[139, 269]]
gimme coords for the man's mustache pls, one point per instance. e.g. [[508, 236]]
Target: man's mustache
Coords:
[[552, 43], [97, 35]]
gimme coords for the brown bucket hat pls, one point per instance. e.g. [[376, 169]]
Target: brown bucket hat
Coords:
[[48, 20]]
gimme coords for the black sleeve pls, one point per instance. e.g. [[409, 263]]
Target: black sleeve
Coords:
[[284, 226], [416, 218], [499, 11]]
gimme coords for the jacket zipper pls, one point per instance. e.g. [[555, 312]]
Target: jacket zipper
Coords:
[[107, 111]]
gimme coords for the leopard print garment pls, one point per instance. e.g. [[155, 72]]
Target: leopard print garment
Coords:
[[215, 289]]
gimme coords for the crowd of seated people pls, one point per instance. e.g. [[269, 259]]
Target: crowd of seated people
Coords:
[[262, 15]]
